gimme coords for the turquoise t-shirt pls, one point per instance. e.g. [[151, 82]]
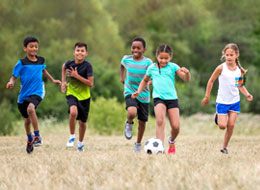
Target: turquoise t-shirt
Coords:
[[134, 75], [164, 82]]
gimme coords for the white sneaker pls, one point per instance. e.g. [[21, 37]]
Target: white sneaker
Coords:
[[81, 148], [70, 143], [137, 147], [128, 130]]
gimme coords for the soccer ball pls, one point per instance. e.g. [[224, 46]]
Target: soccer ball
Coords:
[[153, 146]]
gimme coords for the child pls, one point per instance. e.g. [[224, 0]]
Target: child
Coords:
[[136, 66], [228, 99], [30, 70], [165, 97], [81, 78]]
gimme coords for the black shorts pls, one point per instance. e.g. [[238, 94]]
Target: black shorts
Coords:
[[168, 103], [83, 107], [36, 100], [142, 108]]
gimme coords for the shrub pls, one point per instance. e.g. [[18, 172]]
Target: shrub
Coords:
[[7, 118]]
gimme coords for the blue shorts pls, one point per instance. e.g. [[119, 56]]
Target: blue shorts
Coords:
[[225, 108]]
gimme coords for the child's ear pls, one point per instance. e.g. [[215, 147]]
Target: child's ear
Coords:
[[24, 48]]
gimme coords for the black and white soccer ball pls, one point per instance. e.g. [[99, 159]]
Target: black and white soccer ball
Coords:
[[153, 146]]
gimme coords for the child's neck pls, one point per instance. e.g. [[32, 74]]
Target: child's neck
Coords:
[[231, 66], [32, 58], [79, 61], [138, 58]]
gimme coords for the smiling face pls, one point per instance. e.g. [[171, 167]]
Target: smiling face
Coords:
[[163, 58], [137, 50], [230, 56], [80, 54], [31, 49]]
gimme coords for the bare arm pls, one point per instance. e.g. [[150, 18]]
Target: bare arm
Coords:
[[11, 82], [246, 93], [142, 85], [122, 74], [210, 83], [63, 79], [184, 74], [46, 74], [74, 73]]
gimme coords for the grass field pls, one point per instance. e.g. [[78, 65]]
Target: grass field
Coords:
[[109, 161]]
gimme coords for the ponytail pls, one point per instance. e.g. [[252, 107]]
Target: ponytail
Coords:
[[243, 71]]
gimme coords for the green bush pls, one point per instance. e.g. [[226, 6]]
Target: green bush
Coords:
[[7, 118], [107, 116]]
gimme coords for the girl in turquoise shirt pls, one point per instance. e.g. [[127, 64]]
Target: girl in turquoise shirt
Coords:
[[165, 97]]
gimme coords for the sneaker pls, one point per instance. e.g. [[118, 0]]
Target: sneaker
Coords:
[[70, 143], [171, 149], [137, 147], [37, 141], [81, 148], [29, 147], [224, 151], [216, 119], [128, 130]]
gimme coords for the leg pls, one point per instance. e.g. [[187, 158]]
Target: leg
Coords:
[[27, 123], [174, 118], [32, 116], [160, 114], [141, 129], [131, 113], [82, 130], [232, 116], [222, 121], [72, 118]]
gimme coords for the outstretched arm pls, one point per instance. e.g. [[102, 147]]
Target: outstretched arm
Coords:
[[184, 74], [246, 93], [142, 85], [74, 73], [63, 79], [46, 74], [211, 81], [11, 82], [122, 74]]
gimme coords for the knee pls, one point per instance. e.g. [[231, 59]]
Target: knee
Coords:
[[30, 110], [73, 113], [160, 121]]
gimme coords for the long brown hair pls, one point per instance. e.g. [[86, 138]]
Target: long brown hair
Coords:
[[236, 49]]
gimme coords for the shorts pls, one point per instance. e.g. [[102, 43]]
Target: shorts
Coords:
[[225, 108], [168, 103], [36, 100], [142, 108], [83, 107]]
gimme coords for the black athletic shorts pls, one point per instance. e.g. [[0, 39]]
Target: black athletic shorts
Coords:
[[168, 103], [36, 100], [142, 108], [83, 107]]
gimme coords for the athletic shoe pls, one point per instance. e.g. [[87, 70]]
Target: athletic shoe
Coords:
[[224, 151], [81, 148], [37, 141], [216, 119], [29, 147], [171, 149], [70, 143], [128, 130], [137, 147]]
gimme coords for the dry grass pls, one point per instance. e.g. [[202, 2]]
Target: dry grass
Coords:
[[109, 161]]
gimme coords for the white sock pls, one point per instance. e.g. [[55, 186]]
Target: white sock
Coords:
[[80, 143], [72, 136]]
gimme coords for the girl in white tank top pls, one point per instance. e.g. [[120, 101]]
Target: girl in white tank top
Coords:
[[228, 99]]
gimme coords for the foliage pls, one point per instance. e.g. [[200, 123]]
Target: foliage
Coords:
[[7, 118]]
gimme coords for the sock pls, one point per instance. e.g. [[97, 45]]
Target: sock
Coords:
[[72, 136], [30, 137], [169, 140], [80, 143], [37, 133]]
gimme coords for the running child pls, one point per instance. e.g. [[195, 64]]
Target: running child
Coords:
[[80, 80], [136, 66], [229, 76], [30, 70], [165, 97]]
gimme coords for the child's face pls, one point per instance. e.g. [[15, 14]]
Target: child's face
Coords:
[[137, 49], [31, 49], [163, 58], [230, 55], [80, 53]]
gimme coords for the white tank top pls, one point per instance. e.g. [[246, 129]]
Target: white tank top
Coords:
[[228, 93]]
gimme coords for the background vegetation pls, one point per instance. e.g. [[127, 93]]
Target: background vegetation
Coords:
[[196, 30]]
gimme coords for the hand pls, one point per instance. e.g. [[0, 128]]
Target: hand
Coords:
[[205, 101], [150, 83], [10, 84], [58, 82], [72, 72], [185, 70], [249, 97], [122, 81], [63, 87], [134, 95]]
